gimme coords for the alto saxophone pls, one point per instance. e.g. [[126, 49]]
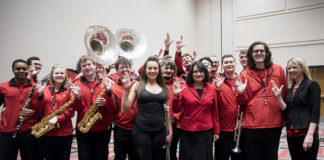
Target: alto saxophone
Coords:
[[42, 127], [91, 116]]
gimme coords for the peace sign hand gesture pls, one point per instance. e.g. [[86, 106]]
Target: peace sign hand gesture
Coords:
[[39, 88], [275, 90], [218, 82], [240, 86]]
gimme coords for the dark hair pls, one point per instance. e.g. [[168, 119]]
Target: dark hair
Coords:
[[29, 60], [122, 60], [227, 56], [186, 54], [268, 54], [159, 78], [201, 67], [207, 59], [171, 63], [17, 61]]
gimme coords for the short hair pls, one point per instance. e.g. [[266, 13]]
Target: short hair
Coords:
[[30, 59], [51, 80], [201, 67], [268, 54], [85, 58], [207, 59], [243, 51], [301, 63], [167, 62], [228, 56], [186, 54], [122, 60], [17, 61], [213, 56]]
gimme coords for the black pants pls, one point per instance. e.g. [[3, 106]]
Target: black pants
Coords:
[[174, 144], [225, 144], [196, 145], [9, 146], [149, 145], [123, 144], [295, 145], [57, 147], [93, 145], [262, 144]]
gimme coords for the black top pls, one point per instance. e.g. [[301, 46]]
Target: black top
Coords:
[[200, 92], [304, 106], [150, 115]]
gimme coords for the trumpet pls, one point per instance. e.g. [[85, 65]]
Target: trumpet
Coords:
[[238, 130]]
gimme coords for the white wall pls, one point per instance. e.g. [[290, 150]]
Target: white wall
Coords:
[[290, 27], [54, 29]]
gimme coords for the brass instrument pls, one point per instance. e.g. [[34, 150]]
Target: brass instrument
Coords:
[[238, 130], [101, 44], [43, 127], [91, 116], [131, 44]]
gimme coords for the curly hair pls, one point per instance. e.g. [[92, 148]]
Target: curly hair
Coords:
[[268, 55]]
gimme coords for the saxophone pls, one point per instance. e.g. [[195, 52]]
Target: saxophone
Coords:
[[91, 116], [42, 127]]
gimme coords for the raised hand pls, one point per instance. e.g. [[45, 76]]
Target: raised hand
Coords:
[[126, 81], [107, 83], [167, 42], [194, 56], [275, 90], [159, 54], [176, 88], [39, 87], [218, 82], [75, 90], [240, 86], [180, 44]]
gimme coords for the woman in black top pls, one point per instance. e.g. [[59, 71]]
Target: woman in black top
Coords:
[[303, 109], [149, 133]]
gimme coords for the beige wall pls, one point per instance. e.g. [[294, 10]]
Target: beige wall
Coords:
[[54, 30]]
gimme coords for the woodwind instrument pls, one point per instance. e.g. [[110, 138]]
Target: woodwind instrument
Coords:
[[22, 118], [43, 127], [91, 116]]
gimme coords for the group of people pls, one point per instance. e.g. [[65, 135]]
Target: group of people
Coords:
[[182, 100]]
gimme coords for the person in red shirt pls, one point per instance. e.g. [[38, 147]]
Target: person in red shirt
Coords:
[[199, 119], [92, 145], [34, 67], [57, 142], [243, 58], [123, 122], [14, 94], [263, 119], [214, 66], [228, 110], [303, 103], [168, 69]]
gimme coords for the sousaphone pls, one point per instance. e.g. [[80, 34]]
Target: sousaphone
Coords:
[[101, 44], [131, 44]]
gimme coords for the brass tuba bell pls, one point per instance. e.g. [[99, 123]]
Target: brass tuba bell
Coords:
[[101, 44], [131, 44]]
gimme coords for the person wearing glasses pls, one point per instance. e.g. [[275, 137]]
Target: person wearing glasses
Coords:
[[34, 67], [263, 119], [197, 101]]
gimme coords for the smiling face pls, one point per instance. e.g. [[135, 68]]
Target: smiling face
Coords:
[[186, 61], [228, 64], [123, 69], [258, 53], [207, 65], [152, 70], [59, 75], [87, 68], [167, 72], [294, 71], [198, 75], [20, 70], [214, 65], [243, 59]]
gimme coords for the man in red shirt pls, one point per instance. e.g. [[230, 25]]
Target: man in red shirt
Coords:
[[14, 95]]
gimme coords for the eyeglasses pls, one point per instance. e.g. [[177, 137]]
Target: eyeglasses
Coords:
[[258, 51], [197, 71], [38, 64]]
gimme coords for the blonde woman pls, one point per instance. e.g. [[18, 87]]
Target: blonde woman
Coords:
[[303, 109]]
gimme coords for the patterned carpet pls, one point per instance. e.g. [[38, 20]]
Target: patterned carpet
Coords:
[[283, 153]]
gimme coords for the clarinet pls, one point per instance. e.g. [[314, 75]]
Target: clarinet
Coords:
[[21, 118]]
